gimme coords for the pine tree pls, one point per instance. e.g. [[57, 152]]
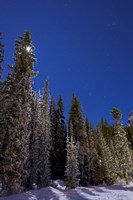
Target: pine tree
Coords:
[[122, 149], [72, 171], [92, 164], [129, 131], [52, 129], [79, 135], [115, 159], [35, 141], [17, 116], [108, 166], [60, 109], [76, 117], [107, 130], [58, 154], [45, 141]]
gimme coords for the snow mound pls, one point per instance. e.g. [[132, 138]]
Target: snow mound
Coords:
[[60, 195], [59, 184], [32, 197]]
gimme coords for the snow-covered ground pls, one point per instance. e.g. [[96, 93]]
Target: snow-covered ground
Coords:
[[114, 192]]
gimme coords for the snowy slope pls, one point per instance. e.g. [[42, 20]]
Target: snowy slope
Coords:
[[114, 192]]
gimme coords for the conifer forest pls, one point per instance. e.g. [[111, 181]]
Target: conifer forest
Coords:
[[37, 143]]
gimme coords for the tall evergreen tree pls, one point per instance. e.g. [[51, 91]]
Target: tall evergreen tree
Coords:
[[76, 117], [35, 140], [108, 166], [17, 116], [72, 171], [45, 141], [92, 164], [122, 149], [79, 134], [58, 156]]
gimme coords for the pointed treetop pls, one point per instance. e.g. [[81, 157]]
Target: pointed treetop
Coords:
[[24, 43], [46, 86], [116, 113], [60, 104], [27, 37]]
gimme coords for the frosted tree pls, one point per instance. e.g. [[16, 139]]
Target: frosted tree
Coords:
[[92, 159], [107, 131], [108, 166], [35, 140], [17, 116], [115, 159], [72, 171], [122, 149], [79, 134], [45, 141]]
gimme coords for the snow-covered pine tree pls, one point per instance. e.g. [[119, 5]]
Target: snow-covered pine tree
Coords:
[[115, 159], [71, 172], [45, 141], [129, 131], [108, 166], [107, 131], [35, 140], [92, 164], [79, 134], [17, 116], [121, 145]]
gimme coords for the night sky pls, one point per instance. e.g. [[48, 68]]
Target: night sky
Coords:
[[82, 46]]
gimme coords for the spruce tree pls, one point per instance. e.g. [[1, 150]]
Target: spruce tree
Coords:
[[92, 164], [45, 141], [108, 166], [72, 171], [122, 149], [76, 117], [79, 134], [129, 131], [58, 154], [17, 116], [35, 140], [107, 130]]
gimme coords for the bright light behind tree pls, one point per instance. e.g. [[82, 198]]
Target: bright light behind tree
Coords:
[[28, 48]]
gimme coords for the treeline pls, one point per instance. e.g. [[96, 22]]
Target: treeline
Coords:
[[37, 145]]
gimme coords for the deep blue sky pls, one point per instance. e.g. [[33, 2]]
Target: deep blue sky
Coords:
[[82, 46]]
